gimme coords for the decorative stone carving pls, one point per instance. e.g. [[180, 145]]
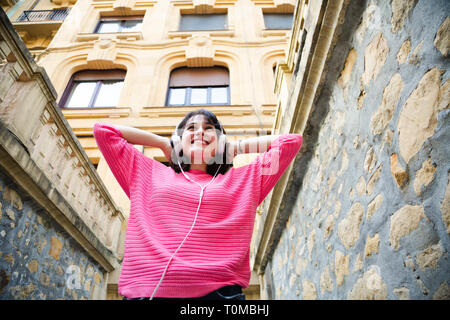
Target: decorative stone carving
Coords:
[[203, 6], [123, 6], [200, 52], [103, 54], [64, 2], [284, 6]]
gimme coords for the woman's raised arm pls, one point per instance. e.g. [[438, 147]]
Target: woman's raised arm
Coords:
[[142, 137], [253, 145], [145, 138]]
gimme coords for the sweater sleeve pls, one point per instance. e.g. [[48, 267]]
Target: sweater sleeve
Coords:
[[120, 155], [272, 163]]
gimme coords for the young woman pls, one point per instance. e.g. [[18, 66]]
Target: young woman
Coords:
[[190, 224]]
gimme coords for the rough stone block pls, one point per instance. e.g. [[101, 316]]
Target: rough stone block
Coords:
[[400, 11], [374, 58], [348, 228], [418, 117], [391, 95], [445, 207], [55, 247], [400, 175], [369, 287], [442, 39], [309, 290], [341, 265], [371, 245], [403, 222], [424, 176]]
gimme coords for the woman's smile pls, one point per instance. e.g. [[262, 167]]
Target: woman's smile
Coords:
[[199, 139]]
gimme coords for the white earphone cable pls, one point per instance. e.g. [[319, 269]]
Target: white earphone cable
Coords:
[[202, 188]]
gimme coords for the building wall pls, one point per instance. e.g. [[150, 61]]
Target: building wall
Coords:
[[246, 48], [370, 219], [59, 227], [37, 32], [39, 260], [248, 51]]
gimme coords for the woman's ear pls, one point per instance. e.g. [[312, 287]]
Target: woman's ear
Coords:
[[175, 142], [222, 143]]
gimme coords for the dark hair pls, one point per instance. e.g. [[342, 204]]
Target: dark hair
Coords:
[[210, 168]]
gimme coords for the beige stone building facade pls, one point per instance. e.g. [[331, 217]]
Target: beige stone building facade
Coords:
[[147, 63], [363, 211]]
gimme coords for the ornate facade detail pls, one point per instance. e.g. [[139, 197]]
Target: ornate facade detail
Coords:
[[123, 6], [103, 54], [200, 52], [64, 2]]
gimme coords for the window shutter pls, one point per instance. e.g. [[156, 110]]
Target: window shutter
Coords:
[[120, 18], [87, 75], [198, 77]]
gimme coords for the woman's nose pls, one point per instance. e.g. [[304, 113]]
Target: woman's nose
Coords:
[[199, 131]]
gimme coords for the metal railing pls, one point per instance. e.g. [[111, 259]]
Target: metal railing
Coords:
[[43, 15]]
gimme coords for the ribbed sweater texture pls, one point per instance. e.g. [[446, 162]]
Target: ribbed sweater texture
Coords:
[[163, 204]]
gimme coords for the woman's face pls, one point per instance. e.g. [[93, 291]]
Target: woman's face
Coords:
[[199, 139]]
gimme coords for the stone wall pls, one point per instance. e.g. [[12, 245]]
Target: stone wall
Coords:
[[38, 258], [59, 227], [371, 219]]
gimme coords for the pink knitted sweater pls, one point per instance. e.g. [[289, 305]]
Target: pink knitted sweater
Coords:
[[163, 206]]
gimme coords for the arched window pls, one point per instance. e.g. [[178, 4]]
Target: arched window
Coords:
[[199, 86], [93, 89]]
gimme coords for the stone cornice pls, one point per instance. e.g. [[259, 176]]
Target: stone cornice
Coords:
[[86, 41], [16, 161]]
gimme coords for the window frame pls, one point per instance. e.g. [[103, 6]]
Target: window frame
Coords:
[[198, 15], [279, 14], [72, 82], [121, 20], [188, 95], [189, 78]]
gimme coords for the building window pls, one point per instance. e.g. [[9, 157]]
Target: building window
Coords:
[[119, 24], [93, 89], [199, 86], [198, 22], [278, 20]]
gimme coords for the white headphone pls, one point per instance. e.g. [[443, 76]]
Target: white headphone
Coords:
[[177, 148]]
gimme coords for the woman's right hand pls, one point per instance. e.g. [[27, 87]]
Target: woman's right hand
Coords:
[[167, 149]]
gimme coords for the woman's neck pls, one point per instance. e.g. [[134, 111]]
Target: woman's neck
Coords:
[[198, 166]]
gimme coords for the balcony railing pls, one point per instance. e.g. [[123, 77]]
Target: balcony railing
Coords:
[[43, 15]]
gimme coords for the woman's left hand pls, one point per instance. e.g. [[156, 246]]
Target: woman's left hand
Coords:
[[232, 151]]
